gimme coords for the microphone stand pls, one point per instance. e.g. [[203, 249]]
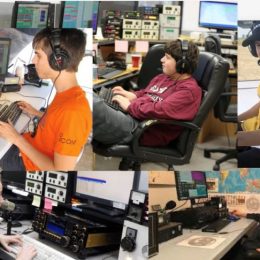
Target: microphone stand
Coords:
[[9, 223]]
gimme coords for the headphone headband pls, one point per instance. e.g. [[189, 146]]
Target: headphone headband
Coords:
[[59, 58], [182, 65]]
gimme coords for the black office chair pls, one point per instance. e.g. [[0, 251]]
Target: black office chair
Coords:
[[151, 67], [213, 44], [211, 74], [224, 110]]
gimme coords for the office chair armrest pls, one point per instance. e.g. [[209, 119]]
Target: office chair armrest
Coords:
[[228, 94], [147, 123], [143, 126]]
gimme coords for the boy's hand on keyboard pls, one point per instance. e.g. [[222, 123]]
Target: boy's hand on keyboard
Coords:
[[127, 94], [7, 240], [8, 132], [122, 101], [29, 109], [27, 252], [238, 213]]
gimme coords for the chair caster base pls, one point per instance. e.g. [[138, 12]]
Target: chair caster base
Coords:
[[126, 165], [206, 154], [216, 167]]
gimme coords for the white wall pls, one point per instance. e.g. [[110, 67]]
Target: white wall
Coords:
[[248, 10], [5, 14]]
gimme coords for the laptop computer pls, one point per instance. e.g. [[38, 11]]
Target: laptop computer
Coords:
[[6, 77]]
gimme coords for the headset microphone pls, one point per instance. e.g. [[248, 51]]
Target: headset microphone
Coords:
[[7, 205]]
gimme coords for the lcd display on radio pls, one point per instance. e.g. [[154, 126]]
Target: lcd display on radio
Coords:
[[55, 229]]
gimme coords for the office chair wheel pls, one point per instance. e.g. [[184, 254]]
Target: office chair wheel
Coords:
[[170, 168], [206, 154], [136, 166], [126, 164], [216, 167]]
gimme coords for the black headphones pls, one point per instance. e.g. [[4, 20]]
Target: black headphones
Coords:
[[182, 65], [59, 58]]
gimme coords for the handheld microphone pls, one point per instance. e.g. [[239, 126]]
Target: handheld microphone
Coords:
[[7, 205]]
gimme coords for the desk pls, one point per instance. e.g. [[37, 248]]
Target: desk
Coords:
[[27, 224], [129, 73], [170, 249], [31, 93]]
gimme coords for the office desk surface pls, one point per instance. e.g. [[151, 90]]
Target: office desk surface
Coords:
[[127, 74], [37, 97], [27, 224], [247, 95], [170, 249]]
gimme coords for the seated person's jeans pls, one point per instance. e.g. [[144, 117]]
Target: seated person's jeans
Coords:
[[12, 161], [111, 126]]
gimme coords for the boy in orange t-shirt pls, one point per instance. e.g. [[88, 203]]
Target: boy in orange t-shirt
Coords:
[[64, 127]]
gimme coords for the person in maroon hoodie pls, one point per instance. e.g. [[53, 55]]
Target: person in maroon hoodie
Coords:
[[174, 94]]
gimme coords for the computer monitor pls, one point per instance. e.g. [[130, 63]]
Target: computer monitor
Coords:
[[5, 45], [191, 185], [79, 14], [218, 15], [106, 188], [16, 179], [30, 14]]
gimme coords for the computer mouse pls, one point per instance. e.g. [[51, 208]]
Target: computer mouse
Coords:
[[233, 217]]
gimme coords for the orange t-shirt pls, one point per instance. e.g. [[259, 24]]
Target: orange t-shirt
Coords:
[[64, 128]]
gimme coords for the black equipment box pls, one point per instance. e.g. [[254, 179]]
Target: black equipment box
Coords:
[[196, 217], [169, 231]]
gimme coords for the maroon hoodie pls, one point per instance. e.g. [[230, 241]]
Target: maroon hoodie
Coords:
[[165, 98]]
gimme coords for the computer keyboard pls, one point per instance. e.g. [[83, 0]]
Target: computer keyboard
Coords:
[[216, 226], [44, 252], [108, 72], [10, 111], [107, 95]]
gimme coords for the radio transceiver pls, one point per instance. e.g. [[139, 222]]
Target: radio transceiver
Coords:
[[51, 184], [169, 20], [172, 9], [131, 34], [150, 25], [169, 33], [149, 34], [80, 236], [132, 15], [132, 24]]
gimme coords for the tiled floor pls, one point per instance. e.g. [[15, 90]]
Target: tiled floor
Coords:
[[198, 161]]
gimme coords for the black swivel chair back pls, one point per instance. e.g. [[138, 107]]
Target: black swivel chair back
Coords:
[[224, 110], [213, 44], [211, 74], [151, 66]]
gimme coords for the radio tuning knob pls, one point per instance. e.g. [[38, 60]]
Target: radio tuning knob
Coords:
[[128, 244], [62, 177], [74, 248], [65, 240], [60, 193], [76, 226], [84, 229]]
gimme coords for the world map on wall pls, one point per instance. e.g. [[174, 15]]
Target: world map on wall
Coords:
[[242, 180]]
